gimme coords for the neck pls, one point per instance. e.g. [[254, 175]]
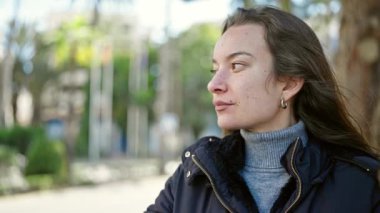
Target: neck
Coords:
[[265, 149], [282, 121]]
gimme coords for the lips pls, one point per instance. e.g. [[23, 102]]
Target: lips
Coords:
[[221, 105]]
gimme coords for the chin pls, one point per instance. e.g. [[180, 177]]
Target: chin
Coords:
[[227, 125]]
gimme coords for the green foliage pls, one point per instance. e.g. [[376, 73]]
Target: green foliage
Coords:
[[73, 43], [19, 137], [153, 60], [143, 97], [196, 51], [47, 158], [41, 182], [120, 90], [81, 145], [8, 156], [146, 97], [121, 94]]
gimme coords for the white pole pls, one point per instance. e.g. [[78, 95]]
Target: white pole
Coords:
[[94, 105]]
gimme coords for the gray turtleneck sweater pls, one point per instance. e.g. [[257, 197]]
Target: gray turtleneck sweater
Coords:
[[263, 172]]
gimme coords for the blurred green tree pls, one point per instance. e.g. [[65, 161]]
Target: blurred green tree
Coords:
[[72, 43], [196, 46], [70, 49]]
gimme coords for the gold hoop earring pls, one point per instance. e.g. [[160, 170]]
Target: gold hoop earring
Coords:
[[283, 103]]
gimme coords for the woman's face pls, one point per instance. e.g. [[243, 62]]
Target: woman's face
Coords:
[[246, 94]]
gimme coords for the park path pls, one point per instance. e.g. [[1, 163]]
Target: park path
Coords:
[[132, 196]]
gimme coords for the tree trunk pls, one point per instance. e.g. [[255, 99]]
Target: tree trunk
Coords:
[[6, 92], [95, 13], [358, 61]]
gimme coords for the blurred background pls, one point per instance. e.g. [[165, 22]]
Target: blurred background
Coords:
[[98, 98]]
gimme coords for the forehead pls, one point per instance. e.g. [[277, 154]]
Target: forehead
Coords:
[[248, 37]]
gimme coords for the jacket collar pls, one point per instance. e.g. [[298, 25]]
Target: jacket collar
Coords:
[[308, 166], [222, 159], [312, 162], [227, 155]]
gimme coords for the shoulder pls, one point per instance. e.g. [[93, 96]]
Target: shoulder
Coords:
[[188, 170], [211, 151], [200, 147], [361, 165], [344, 155], [220, 148], [355, 162], [357, 178], [346, 161], [204, 142], [347, 172]]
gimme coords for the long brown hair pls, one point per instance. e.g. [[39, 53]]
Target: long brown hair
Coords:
[[297, 52]]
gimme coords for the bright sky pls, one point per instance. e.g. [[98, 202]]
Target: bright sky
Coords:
[[182, 14], [151, 14]]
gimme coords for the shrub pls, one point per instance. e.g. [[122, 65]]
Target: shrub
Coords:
[[47, 158], [8, 156], [41, 182], [19, 138]]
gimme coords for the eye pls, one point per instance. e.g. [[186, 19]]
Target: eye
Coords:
[[236, 67]]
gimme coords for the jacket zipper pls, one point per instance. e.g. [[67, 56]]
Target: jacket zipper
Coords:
[[292, 166], [212, 184]]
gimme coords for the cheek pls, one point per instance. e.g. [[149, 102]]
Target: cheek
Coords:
[[258, 99], [255, 90], [250, 91], [249, 100]]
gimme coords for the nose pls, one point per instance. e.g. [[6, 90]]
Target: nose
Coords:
[[218, 83]]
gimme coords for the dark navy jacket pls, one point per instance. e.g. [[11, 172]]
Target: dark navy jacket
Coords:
[[324, 179]]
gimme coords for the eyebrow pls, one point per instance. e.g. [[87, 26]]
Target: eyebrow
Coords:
[[235, 54]]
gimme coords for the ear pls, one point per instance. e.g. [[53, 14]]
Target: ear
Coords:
[[292, 86]]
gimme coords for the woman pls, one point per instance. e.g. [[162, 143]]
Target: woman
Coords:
[[291, 145]]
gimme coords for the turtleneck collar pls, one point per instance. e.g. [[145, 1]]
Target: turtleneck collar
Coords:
[[265, 149]]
